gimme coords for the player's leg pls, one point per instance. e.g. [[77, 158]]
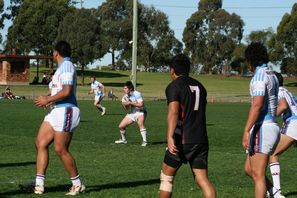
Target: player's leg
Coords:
[[258, 164], [100, 105], [142, 129], [284, 143], [122, 127], [201, 178], [166, 178], [43, 140], [197, 155], [62, 142], [96, 103]]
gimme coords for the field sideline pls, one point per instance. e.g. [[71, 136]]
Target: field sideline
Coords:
[[110, 170]]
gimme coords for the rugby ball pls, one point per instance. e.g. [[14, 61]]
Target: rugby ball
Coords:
[[125, 99]]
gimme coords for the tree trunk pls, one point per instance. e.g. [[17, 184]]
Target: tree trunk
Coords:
[[113, 61], [82, 74]]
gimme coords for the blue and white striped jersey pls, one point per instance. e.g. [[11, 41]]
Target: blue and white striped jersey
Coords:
[[65, 75], [291, 111], [96, 87], [264, 83]]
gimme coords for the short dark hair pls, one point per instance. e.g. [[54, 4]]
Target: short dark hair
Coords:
[[63, 48], [129, 84], [181, 64], [279, 78], [256, 54]]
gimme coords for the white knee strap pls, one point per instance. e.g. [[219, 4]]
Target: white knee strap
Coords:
[[166, 182]]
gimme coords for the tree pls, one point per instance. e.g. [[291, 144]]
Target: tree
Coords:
[[211, 34], [263, 36], [35, 26], [285, 42], [238, 60], [81, 29], [116, 23], [156, 39], [2, 17]]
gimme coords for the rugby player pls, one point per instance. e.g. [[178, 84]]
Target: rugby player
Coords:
[[287, 107], [137, 113], [261, 132], [187, 139], [59, 124], [99, 90]]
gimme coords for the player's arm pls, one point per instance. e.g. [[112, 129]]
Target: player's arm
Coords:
[[172, 118], [91, 91], [138, 104], [282, 106], [43, 101], [103, 90], [255, 110]]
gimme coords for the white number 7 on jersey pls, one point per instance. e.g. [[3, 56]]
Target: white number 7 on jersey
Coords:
[[197, 94]]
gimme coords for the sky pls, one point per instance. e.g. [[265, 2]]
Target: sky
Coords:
[[256, 14]]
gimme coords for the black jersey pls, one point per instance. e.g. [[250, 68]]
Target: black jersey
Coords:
[[191, 96]]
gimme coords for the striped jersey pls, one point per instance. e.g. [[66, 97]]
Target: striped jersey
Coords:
[[264, 83], [96, 87], [65, 75], [291, 111], [136, 97]]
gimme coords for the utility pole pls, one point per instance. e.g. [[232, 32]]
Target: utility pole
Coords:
[[134, 47], [81, 3]]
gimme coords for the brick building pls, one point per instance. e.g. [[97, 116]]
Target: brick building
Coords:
[[15, 69]]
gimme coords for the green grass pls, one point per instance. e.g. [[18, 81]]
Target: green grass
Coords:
[[110, 170], [152, 85]]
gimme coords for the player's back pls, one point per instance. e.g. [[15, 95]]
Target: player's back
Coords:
[[291, 111], [191, 95], [265, 83]]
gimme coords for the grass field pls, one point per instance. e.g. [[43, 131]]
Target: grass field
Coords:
[[152, 85], [110, 170]]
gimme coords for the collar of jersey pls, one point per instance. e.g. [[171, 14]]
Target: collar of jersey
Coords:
[[65, 59], [261, 66]]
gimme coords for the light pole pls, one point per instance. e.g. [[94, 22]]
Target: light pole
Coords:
[[134, 46]]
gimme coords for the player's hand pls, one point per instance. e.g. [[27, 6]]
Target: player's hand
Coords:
[[41, 101], [245, 140], [171, 146]]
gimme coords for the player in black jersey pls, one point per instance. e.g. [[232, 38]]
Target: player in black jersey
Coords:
[[187, 139]]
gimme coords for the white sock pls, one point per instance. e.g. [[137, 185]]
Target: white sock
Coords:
[[123, 135], [76, 181], [143, 134], [275, 173], [39, 181]]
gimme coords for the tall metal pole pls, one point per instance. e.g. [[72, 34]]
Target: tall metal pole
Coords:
[[134, 47]]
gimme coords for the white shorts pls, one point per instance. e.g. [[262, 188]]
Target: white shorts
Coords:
[[64, 119], [134, 116], [264, 138], [289, 128], [98, 98]]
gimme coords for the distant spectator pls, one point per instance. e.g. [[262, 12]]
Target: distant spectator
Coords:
[[45, 79], [35, 80], [111, 95], [8, 94]]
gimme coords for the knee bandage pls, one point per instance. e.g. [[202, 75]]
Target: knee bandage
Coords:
[[166, 182]]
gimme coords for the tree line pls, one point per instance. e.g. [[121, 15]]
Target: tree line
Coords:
[[212, 37]]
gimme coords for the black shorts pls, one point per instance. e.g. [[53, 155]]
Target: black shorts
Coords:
[[195, 154]]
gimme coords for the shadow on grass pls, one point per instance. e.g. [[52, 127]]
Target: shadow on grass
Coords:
[[122, 185], [15, 164], [157, 143], [291, 194], [65, 188], [294, 84]]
